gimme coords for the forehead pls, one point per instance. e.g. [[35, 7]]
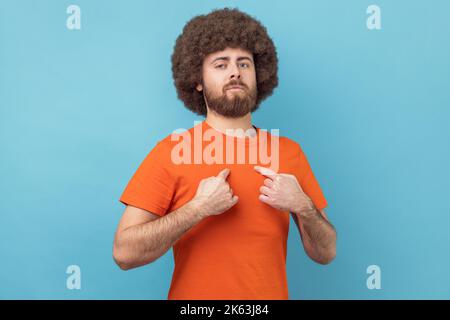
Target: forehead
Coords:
[[229, 52]]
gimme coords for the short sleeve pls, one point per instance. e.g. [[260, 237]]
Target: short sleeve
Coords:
[[151, 187], [308, 181]]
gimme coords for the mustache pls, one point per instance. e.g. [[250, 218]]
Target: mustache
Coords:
[[235, 83]]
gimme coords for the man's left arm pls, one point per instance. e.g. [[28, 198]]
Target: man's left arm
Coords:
[[317, 233], [283, 192]]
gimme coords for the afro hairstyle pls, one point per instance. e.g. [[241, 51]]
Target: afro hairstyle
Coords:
[[206, 34]]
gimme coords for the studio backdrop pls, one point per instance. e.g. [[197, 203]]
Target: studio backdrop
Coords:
[[86, 91]]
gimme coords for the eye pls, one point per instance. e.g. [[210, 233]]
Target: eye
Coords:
[[220, 66], [245, 64]]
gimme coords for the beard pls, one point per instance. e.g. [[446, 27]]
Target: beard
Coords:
[[235, 107]]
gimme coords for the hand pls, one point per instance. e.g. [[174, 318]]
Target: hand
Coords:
[[282, 191], [214, 195]]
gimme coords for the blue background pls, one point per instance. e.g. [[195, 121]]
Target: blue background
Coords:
[[80, 109]]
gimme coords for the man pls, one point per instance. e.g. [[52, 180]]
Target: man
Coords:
[[227, 221]]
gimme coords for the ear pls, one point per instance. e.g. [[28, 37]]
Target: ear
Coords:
[[199, 87]]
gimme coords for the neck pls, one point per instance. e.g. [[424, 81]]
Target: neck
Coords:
[[222, 123]]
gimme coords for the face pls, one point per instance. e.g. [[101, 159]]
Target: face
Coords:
[[229, 82]]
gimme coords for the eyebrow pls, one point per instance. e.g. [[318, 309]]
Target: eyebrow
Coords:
[[228, 59]]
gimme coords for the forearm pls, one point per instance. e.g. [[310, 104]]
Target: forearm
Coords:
[[141, 244], [319, 236]]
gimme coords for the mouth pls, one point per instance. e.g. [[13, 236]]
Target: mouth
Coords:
[[235, 88]]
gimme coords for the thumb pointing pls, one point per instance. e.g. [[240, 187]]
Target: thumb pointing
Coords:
[[224, 173]]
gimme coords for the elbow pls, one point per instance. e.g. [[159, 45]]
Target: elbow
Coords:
[[121, 263], [126, 262], [327, 259], [123, 266], [329, 254], [323, 257], [121, 259]]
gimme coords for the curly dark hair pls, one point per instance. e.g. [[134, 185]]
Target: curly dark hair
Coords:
[[222, 28]]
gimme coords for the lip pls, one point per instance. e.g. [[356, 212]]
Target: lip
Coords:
[[236, 88]]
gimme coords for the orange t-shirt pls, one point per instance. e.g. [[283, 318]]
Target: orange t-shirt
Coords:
[[241, 253]]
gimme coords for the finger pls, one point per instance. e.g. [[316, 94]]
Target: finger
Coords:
[[264, 198], [231, 191], [269, 173], [268, 183], [265, 190], [224, 173], [234, 200]]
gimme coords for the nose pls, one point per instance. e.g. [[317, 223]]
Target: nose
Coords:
[[235, 72]]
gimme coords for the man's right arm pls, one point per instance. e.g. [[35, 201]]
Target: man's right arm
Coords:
[[142, 237]]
